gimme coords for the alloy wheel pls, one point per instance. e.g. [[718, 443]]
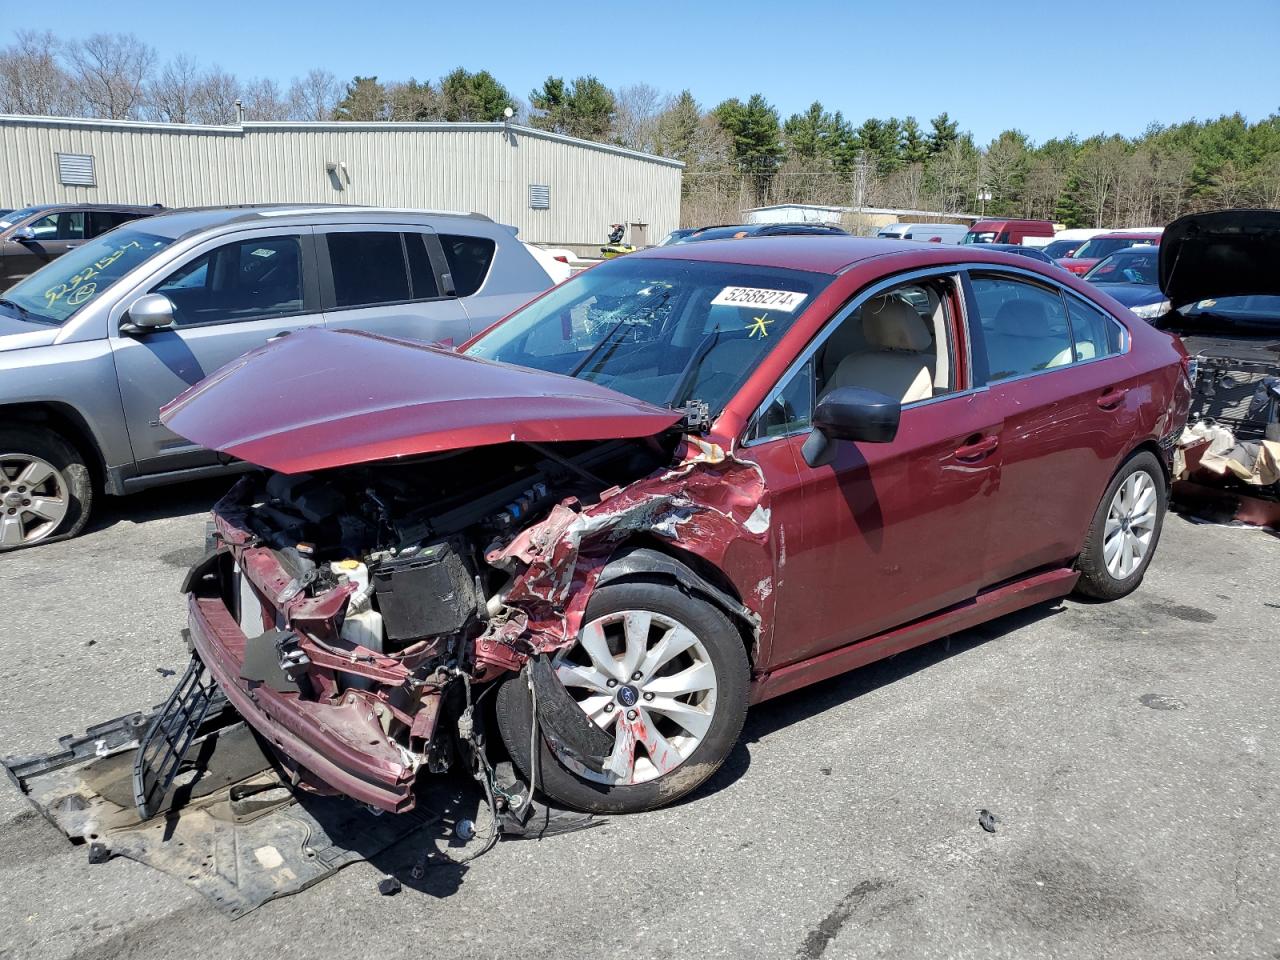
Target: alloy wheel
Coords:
[[34, 499], [650, 681], [1131, 524]]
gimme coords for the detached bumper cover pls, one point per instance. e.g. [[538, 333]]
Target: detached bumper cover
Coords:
[[341, 745]]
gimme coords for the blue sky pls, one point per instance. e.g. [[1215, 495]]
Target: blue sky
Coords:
[[1047, 67]]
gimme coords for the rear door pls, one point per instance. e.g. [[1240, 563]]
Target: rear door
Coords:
[[55, 234], [388, 280], [230, 296], [1055, 366]]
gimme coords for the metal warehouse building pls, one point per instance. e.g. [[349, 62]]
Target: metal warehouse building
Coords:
[[557, 190]]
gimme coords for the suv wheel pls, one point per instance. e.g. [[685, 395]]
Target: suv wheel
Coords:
[[45, 488]]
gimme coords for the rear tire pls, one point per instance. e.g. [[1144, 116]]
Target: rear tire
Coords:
[[46, 491], [1125, 530], [690, 708]]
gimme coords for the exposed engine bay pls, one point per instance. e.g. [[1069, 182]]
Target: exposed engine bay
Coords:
[[385, 584]]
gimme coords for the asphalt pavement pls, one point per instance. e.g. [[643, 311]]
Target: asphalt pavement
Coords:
[[1128, 751]]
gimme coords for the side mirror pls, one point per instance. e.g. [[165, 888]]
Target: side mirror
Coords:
[[850, 413], [24, 235], [151, 311]]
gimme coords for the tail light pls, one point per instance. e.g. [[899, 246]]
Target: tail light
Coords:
[[561, 259]]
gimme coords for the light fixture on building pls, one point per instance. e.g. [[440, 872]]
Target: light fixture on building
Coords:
[[338, 171]]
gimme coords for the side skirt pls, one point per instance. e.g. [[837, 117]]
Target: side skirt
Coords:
[[986, 606]]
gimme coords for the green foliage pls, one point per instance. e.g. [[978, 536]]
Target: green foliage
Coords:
[[476, 97], [365, 100], [584, 108], [755, 135]]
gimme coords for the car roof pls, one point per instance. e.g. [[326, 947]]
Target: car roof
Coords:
[[834, 254], [180, 223], [1122, 235], [819, 254], [129, 207]]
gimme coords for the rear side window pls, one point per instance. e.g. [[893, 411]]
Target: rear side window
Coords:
[[1096, 334], [368, 268], [469, 259], [1024, 327], [103, 220]]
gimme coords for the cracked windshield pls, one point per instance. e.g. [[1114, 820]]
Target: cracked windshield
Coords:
[[665, 331]]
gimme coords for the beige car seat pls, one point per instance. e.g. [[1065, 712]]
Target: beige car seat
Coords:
[[900, 359]]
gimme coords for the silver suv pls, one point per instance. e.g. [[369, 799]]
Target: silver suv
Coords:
[[94, 343]]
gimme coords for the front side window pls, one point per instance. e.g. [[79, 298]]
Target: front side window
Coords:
[[244, 280], [59, 289], [897, 342], [68, 225], [979, 236], [469, 259], [1024, 327], [663, 330]]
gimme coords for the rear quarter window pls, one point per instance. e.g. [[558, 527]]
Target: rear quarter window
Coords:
[[469, 259]]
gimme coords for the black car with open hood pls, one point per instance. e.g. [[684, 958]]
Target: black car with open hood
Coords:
[[1221, 274]]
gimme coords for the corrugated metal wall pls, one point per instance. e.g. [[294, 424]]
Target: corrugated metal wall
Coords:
[[480, 167]]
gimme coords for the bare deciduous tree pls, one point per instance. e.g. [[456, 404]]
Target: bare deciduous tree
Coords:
[[314, 96], [263, 101], [171, 94], [111, 71], [215, 98], [32, 81], [635, 124]]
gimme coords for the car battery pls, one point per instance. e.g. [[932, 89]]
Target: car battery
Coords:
[[425, 593]]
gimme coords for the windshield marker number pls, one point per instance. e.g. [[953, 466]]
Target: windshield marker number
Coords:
[[785, 300]]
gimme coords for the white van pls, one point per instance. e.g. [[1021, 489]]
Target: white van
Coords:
[[929, 232]]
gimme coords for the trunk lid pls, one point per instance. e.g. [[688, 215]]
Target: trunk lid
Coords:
[[323, 398], [1227, 253]]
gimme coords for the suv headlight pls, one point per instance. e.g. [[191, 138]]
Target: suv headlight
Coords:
[[1150, 311]]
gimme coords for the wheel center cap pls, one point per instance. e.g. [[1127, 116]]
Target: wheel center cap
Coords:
[[13, 499], [628, 695]]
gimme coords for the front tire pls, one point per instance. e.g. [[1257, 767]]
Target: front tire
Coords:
[[45, 488], [665, 674], [1125, 530]]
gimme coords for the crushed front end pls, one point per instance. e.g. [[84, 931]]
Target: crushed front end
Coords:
[[356, 616]]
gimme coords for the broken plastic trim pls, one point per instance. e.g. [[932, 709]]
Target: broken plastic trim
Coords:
[[170, 735], [569, 731]]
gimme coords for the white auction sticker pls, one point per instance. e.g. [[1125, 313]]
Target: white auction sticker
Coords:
[[785, 300]]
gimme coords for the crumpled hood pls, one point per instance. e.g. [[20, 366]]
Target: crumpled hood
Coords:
[[1228, 253], [322, 398]]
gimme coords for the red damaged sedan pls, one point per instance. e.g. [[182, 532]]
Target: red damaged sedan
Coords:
[[683, 482]]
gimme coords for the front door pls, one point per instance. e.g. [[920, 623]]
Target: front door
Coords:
[[55, 234], [229, 298], [891, 531]]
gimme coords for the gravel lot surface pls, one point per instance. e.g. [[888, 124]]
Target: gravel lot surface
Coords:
[[1129, 751]]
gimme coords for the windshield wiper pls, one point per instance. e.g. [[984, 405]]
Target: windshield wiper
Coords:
[[23, 311]]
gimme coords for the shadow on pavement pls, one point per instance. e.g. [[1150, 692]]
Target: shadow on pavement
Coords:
[[159, 503], [800, 705]]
